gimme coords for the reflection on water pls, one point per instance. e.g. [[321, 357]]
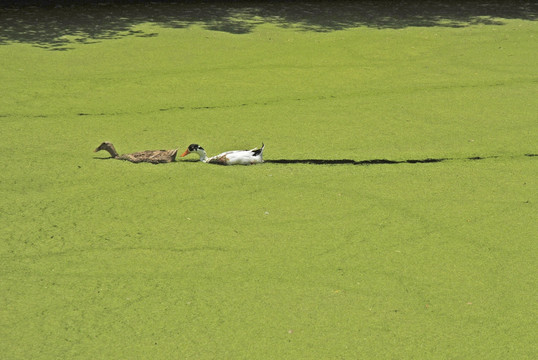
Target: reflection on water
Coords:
[[56, 24]]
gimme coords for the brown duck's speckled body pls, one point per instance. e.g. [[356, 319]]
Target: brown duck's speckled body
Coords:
[[151, 156]]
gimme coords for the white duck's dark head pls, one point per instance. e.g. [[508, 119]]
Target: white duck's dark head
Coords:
[[195, 148]]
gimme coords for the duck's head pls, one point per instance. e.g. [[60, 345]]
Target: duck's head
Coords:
[[195, 148], [104, 146]]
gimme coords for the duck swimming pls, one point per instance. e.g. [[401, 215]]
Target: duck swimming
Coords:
[[151, 156], [235, 157]]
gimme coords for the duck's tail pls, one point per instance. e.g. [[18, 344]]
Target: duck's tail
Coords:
[[259, 151], [173, 154]]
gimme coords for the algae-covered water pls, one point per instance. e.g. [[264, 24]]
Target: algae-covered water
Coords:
[[293, 259]]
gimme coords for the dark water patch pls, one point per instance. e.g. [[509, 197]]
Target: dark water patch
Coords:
[[55, 24], [377, 161], [311, 161], [424, 161], [351, 162]]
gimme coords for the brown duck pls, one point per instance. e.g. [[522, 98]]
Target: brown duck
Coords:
[[151, 156]]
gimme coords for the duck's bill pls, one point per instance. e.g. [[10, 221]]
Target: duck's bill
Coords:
[[187, 152]]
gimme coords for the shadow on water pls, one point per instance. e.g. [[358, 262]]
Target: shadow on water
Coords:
[[56, 24]]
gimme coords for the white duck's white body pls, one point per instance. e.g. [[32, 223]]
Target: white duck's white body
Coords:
[[235, 157]]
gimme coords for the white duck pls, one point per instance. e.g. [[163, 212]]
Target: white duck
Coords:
[[235, 157]]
